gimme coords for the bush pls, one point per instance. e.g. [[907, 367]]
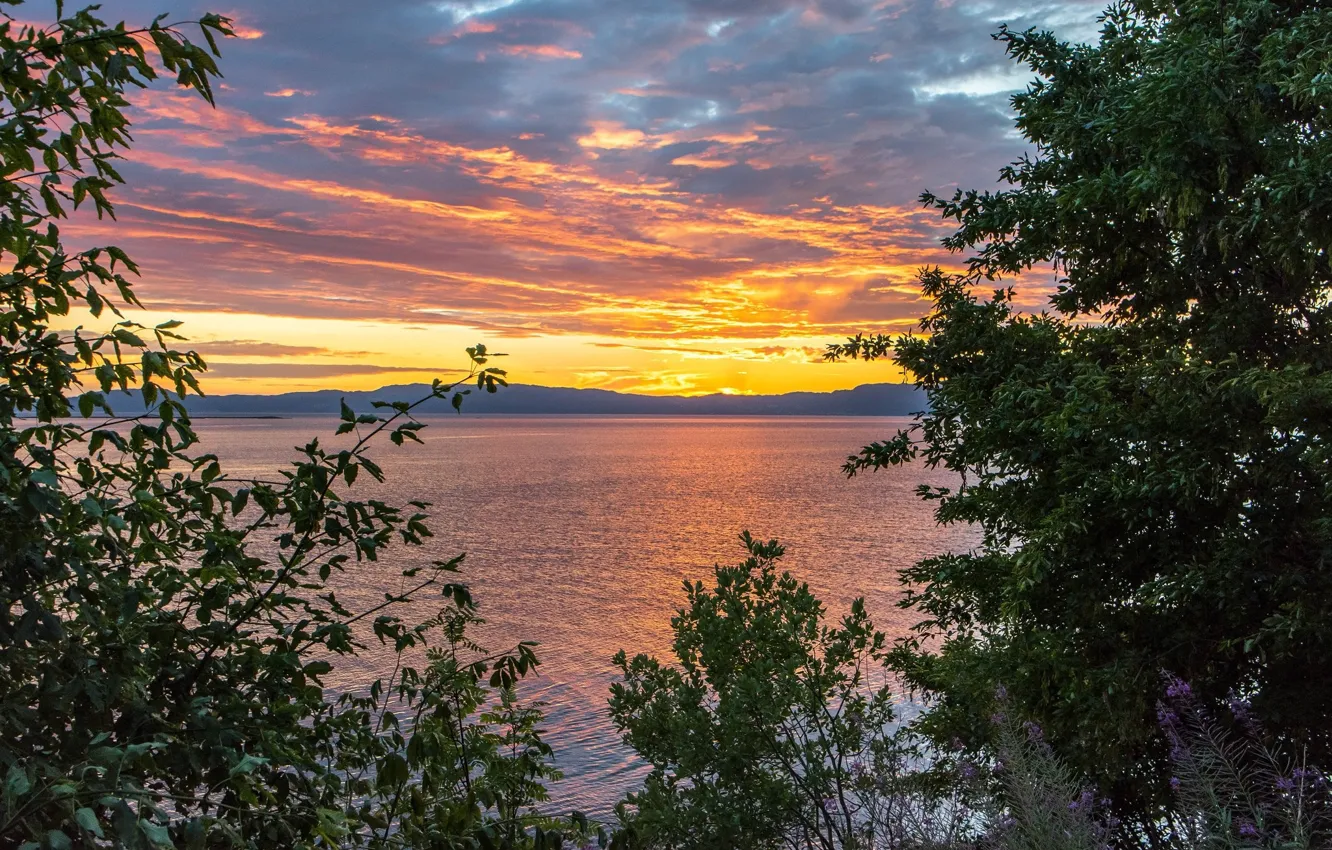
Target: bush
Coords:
[[775, 729], [1231, 790], [1234, 790], [1039, 803], [165, 627], [1148, 458]]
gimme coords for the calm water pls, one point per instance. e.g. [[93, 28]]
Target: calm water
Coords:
[[579, 531]]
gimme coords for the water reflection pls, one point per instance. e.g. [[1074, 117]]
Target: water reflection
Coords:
[[580, 530]]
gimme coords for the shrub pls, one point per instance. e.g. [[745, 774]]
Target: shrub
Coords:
[[1234, 790], [774, 728], [1148, 458], [1231, 790], [1039, 802], [165, 627]]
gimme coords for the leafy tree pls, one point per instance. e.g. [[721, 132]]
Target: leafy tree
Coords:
[[771, 731], [164, 627], [1148, 461]]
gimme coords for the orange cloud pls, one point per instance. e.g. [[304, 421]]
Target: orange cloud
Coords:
[[522, 245], [243, 30], [702, 161], [540, 51], [471, 26], [695, 205], [609, 136]]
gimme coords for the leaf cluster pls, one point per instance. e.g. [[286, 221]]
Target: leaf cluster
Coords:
[[1148, 461], [166, 627], [773, 728]]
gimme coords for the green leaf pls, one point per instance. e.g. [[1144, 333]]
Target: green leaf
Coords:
[[45, 476], [248, 764], [393, 771], [87, 820], [16, 782], [156, 833]]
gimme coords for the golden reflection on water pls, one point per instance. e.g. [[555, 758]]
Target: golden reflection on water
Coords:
[[579, 532]]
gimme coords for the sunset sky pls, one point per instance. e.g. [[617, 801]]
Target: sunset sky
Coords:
[[676, 196]]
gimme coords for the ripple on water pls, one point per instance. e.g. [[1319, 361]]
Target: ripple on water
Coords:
[[580, 530]]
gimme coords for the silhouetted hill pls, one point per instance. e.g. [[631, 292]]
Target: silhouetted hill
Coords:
[[865, 400]]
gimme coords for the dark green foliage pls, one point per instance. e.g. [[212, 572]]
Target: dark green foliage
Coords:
[[1149, 462], [1039, 803], [443, 757], [774, 730], [165, 627], [1233, 790], [1230, 791]]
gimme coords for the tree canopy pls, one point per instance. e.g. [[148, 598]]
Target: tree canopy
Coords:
[[1148, 458], [165, 627]]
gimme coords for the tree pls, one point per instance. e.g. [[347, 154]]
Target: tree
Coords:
[[771, 729], [1148, 461], [164, 627]]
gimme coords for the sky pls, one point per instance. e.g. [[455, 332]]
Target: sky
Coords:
[[675, 196]]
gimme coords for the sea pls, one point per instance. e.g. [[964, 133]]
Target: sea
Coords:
[[579, 533]]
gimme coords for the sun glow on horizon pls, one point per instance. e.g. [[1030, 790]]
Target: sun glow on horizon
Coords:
[[636, 208]]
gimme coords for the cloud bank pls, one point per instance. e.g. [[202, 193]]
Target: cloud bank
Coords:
[[736, 170]]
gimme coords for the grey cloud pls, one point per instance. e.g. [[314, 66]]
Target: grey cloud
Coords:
[[309, 370], [260, 348], [257, 348], [667, 348], [838, 87]]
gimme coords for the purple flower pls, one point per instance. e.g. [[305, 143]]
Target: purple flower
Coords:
[[1248, 830], [1083, 803], [1242, 712], [968, 770], [1001, 693], [997, 718], [1178, 688], [1167, 718], [1033, 731], [1311, 777], [1174, 783]]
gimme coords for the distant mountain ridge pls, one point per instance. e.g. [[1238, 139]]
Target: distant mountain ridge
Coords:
[[864, 400]]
